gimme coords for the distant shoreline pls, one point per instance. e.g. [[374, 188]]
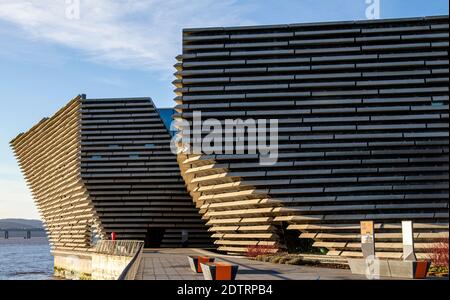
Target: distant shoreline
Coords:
[[20, 240]]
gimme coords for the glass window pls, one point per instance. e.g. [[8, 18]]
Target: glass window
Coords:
[[166, 115], [437, 103]]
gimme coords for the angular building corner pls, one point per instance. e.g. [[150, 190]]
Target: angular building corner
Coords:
[[49, 157], [104, 165], [362, 109]]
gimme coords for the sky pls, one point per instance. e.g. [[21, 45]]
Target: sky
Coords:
[[53, 50]]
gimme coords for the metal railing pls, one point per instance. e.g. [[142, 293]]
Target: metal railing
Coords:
[[130, 271], [119, 248]]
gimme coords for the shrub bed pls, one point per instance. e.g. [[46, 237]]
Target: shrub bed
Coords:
[[439, 258], [293, 259]]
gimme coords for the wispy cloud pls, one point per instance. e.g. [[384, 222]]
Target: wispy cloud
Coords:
[[116, 82], [142, 34]]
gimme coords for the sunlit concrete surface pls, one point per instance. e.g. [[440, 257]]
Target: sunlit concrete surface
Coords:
[[172, 264]]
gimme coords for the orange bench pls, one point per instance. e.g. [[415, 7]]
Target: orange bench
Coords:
[[196, 261], [219, 271], [421, 269]]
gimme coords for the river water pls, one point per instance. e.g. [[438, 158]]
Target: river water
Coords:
[[22, 259]]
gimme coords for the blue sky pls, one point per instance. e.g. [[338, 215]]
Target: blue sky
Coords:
[[123, 48]]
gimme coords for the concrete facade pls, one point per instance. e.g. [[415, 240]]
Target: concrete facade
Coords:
[[48, 155], [104, 165], [363, 131]]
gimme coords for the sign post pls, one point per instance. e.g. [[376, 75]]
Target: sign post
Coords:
[[367, 239], [368, 249]]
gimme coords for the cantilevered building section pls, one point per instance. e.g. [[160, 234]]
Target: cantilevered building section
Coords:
[[105, 165], [363, 131], [49, 157]]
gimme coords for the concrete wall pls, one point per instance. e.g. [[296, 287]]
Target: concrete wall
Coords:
[[73, 264], [362, 109], [88, 266], [108, 267]]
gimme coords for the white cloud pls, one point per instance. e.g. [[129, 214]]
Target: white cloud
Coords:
[[142, 34], [9, 169]]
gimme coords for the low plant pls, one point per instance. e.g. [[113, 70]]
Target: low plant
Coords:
[[284, 260], [266, 258], [295, 261], [438, 254], [85, 276], [275, 259], [256, 250]]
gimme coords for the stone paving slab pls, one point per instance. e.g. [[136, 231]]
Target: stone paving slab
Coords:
[[172, 264]]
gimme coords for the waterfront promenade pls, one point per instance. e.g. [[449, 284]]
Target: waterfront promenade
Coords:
[[172, 264]]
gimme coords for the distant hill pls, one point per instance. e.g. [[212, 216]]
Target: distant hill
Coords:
[[20, 223]]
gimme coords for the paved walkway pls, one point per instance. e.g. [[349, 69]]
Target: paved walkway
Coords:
[[172, 264]]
